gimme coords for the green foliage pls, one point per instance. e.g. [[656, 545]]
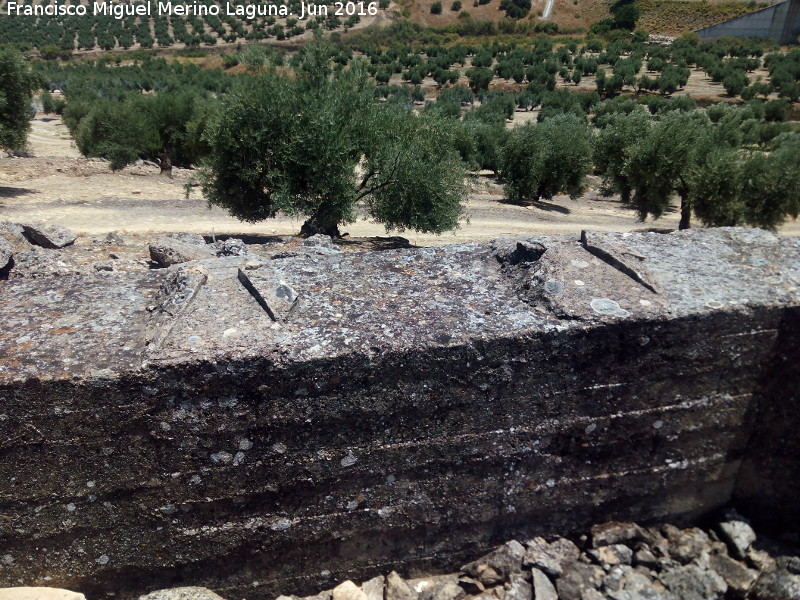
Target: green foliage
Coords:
[[17, 85], [516, 9], [436, 8], [626, 14], [658, 166], [548, 158], [293, 145], [150, 127], [614, 145]]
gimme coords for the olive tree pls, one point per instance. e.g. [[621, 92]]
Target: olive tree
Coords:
[[317, 145], [154, 127], [548, 158], [17, 85], [716, 179]]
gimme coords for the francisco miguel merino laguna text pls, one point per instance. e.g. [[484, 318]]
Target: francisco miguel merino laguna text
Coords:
[[145, 9]]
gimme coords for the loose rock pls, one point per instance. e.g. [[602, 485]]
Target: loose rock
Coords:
[[231, 247], [504, 562], [685, 545], [321, 244], [374, 587], [519, 589], [738, 577], [614, 532], [168, 251], [577, 579], [13, 234], [616, 554], [38, 593], [398, 589], [42, 263], [48, 236], [348, 590], [5, 253], [693, 583], [778, 585], [182, 593], [738, 535], [550, 558], [543, 588]]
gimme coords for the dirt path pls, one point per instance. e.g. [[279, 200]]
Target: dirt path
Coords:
[[84, 194]]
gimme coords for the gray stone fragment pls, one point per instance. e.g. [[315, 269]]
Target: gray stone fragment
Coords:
[[5, 253], [543, 588], [646, 558], [471, 585], [398, 589], [693, 583], [615, 554], [347, 590], [167, 251], [103, 265], [182, 593], [39, 593], [188, 238], [13, 234], [738, 577], [231, 247], [615, 532], [42, 263], [48, 236], [625, 583], [685, 545], [761, 560], [518, 588], [550, 557], [738, 535], [789, 563], [321, 244], [504, 561], [577, 579], [444, 588], [778, 585], [114, 239], [374, 587]]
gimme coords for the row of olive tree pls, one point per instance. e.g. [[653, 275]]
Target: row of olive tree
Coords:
[[17, 85]]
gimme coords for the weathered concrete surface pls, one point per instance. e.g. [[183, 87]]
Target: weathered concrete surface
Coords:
[[414, 406]]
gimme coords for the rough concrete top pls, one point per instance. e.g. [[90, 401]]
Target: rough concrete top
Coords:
[[313, 307]]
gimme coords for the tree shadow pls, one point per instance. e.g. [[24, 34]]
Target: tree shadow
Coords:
[[14, 192], [540, 204], [247, 238], [376, 243]]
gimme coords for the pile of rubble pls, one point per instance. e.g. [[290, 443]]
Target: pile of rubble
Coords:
[[618, 561]]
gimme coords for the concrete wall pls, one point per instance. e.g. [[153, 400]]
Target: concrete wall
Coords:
[[416, 407], [780, 22]]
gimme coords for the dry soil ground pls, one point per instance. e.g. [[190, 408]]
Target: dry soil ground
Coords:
[[58, 186]]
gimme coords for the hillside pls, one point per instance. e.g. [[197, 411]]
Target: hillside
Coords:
[[665, 17]]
